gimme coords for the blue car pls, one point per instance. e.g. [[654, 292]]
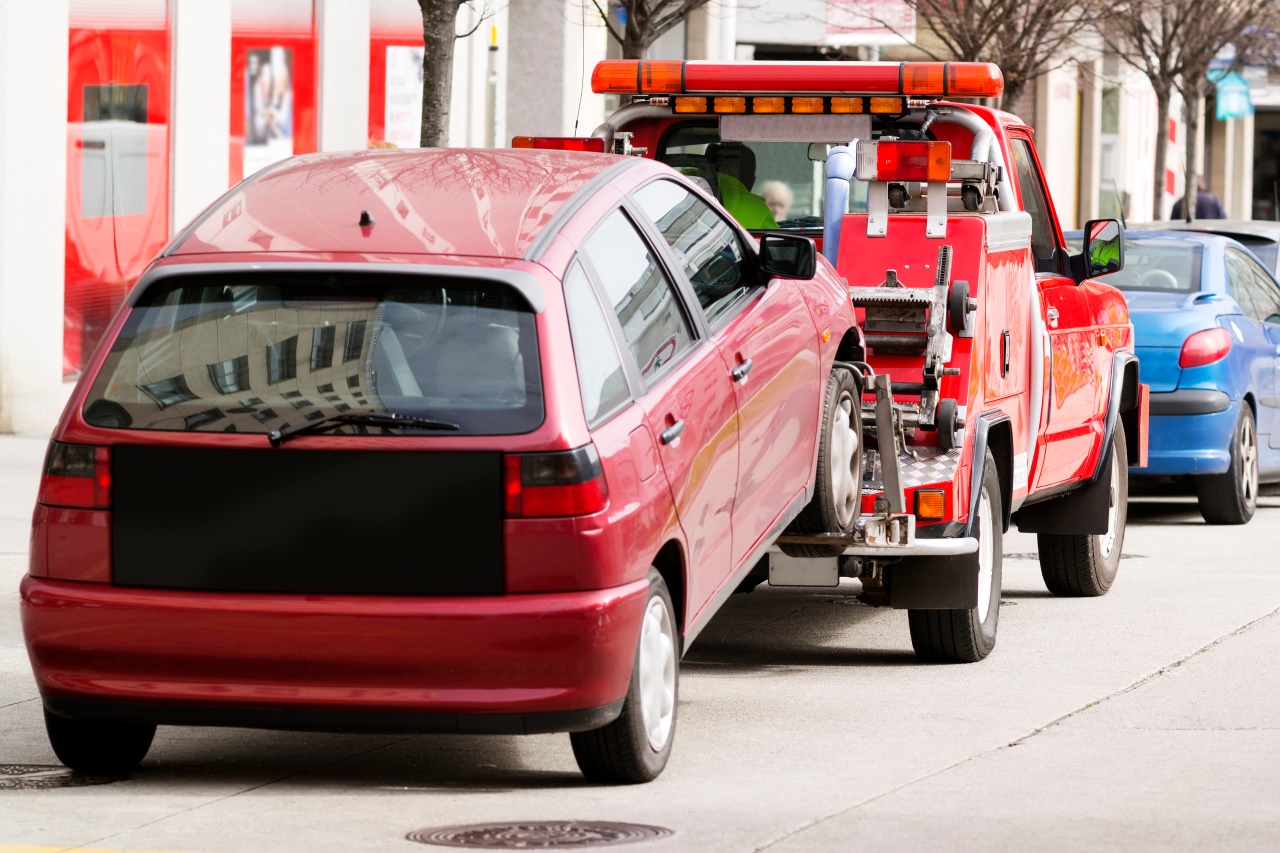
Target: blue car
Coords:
[[1206, 318]]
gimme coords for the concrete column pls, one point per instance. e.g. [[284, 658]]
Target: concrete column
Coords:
[[553, 46], [342, 33], [201, 118], [1242, 176], [1220, 163], [1090, 141], [702, 39], [33, 211], [1057, 138]]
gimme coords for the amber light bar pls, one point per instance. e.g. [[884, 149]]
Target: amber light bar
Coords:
[[910, 79], [685, 104]]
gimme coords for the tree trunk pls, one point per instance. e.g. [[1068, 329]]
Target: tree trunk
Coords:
[[1192, 103], [1162, 149], [1012, 94], [439, 17]]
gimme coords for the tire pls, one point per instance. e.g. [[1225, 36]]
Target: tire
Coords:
[[968, 636], [837, 495], [1232, 498], [98, 748], [1085, 564], [635, 747]]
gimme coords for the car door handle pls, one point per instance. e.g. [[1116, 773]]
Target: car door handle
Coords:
[[740, 372], [672, 432], [1004, 353]]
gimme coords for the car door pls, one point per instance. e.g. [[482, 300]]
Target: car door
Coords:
[[1072, 385], [1263, 310], [766, 334], [688, 404]]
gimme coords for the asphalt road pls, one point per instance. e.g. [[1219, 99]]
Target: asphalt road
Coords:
[[1147, 719]]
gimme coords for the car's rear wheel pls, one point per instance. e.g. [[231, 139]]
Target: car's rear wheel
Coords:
[[1232, 498], [98, 748], [1085, 564], [968, 636], [837, 497], [635, 747]]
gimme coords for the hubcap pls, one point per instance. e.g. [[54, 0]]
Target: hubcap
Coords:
[[1113, 512], [846, 463], [1249, 463], [657, 673], [985, 559]]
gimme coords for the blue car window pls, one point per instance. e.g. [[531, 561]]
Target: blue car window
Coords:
[[1158, 264]]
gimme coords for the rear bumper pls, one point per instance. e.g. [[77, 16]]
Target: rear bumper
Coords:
[[1190, 443], [538, 662]]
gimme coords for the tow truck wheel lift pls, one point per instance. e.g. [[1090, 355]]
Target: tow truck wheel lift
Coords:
[[900, 321]]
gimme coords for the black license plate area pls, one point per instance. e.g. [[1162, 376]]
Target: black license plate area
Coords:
[[345, 522]]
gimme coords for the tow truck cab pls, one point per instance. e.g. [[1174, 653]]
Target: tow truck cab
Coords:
[[994, 362]]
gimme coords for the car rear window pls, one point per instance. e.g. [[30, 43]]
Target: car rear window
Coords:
[[1151, 263], [257, 352]]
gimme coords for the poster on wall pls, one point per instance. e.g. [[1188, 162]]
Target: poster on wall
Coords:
[[268, 104], [404, 96]]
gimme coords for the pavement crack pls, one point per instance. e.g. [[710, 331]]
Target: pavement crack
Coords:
[[19, 702], [1146, 679]]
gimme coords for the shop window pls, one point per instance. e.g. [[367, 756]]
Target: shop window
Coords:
[[395, 73]]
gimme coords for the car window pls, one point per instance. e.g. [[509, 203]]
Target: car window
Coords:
[[254, 352], [1154, 263], [1240, 282], [1266, 299], [639, 292], [706, 245], [1036, 204], [600, 377]]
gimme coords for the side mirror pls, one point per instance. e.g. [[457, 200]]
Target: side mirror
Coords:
[[788, 256], [1103, 247]]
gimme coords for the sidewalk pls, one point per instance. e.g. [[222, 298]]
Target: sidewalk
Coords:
[[20, 460]]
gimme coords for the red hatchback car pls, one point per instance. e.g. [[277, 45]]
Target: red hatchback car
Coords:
[[441, 440]]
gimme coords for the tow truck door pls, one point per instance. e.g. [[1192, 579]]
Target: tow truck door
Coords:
[[1071, 388]]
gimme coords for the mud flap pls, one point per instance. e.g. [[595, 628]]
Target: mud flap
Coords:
[[934, 583], [1081, 510]]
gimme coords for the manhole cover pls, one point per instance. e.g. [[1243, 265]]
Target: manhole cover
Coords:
[[541, 835], [46, 776]]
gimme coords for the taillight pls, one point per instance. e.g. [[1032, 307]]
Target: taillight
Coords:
[[1205, 348], [76, 475], [904, 161], [541, 485]]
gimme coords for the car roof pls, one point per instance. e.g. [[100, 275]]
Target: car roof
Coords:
[[1249, 228], [436, 201]]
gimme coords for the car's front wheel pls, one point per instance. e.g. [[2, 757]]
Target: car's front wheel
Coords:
[[1231, 498], [635, 747], [98, 748]]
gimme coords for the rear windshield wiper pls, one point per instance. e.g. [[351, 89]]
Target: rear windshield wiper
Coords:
[[278, 437]]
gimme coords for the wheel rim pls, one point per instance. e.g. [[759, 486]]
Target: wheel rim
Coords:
[[846, 463], [657, 673], [1108, 541], [986, 562], [1248, 452]]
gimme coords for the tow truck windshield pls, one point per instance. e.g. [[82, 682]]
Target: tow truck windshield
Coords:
[[764, 185]]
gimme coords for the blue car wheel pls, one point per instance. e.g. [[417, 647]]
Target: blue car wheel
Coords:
[[1231, 498]]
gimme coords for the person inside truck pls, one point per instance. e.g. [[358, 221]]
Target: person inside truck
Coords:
[[735, 166], [777, 195]]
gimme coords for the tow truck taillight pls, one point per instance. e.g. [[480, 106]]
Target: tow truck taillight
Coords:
[[904, 161], [543, 485], [907, 79], [560, 143], [1205, 347], [76, 475]]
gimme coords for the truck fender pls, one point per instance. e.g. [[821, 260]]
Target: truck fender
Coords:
[[985, 429], [1123, 398]]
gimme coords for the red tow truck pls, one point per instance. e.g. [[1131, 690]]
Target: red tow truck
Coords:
[[997, 372]]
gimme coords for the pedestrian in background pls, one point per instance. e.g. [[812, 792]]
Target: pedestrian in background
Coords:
[[1207, 205]]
